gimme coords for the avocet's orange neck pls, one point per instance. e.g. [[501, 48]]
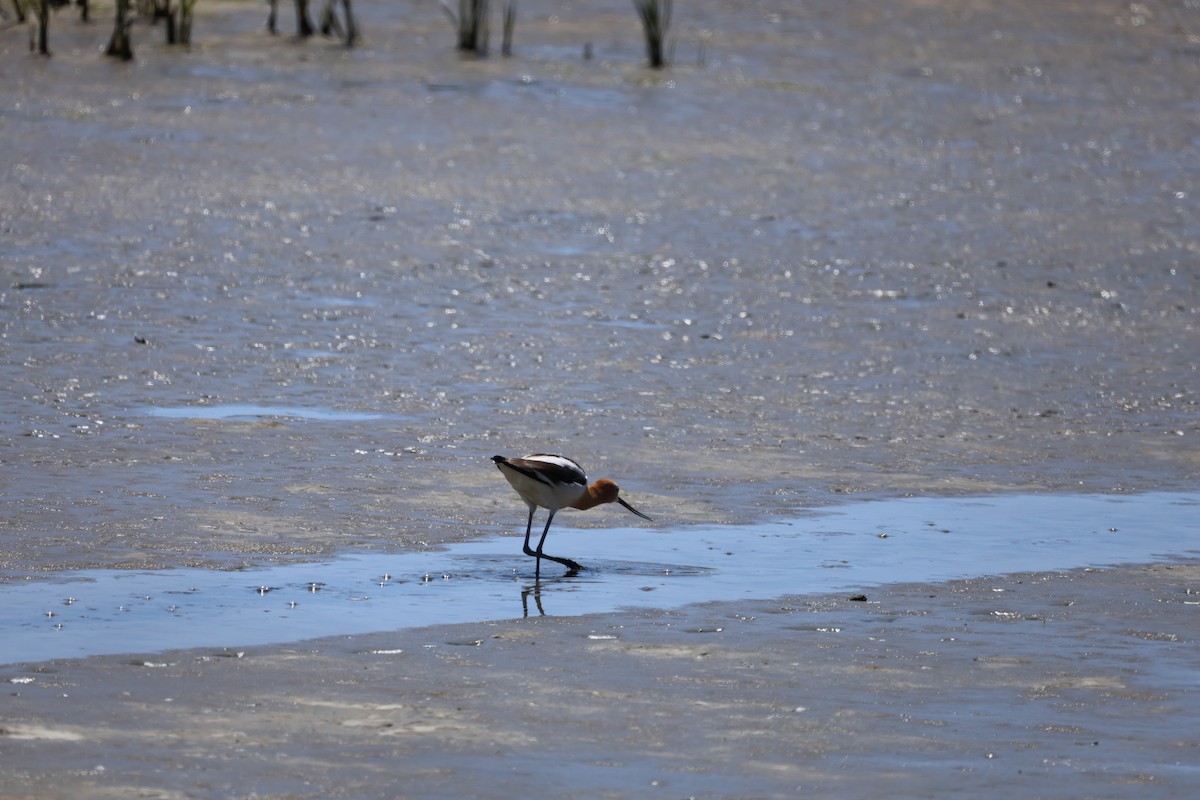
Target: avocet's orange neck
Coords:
[[601, 492]]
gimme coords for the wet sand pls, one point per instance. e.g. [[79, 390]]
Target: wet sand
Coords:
[[1078, 684], [839, 249]]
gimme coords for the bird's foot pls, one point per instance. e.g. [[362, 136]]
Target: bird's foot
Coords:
[[572, 566]]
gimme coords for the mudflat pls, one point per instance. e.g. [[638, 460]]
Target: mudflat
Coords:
[[269, 299], [1078, 684]]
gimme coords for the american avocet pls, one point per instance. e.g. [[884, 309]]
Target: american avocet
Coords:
[[554, 482]]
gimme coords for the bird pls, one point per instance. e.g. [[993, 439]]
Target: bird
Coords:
[[554, 482]]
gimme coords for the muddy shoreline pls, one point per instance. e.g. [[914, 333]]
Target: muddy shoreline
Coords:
[[841, 257], [1055, 685], [839, 250]]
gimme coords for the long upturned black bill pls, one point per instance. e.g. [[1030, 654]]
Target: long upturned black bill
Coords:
[[634, 510]]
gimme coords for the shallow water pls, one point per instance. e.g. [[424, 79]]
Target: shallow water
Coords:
[[251, 411], [839, 250], [853, 547]]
